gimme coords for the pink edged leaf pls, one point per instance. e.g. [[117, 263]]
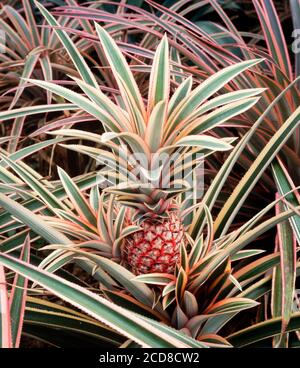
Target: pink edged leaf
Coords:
[[70, 47], [17, 299], [214, 339], [144, 331], [274, 36], [287, 188], [231, 305], [78, 200], [159, 85], [120, 68], [5, 325], [287, 273]]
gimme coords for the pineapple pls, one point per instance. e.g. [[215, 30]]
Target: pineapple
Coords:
[[155, 248], [168, 126]]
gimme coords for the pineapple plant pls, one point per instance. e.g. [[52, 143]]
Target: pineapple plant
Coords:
[[160, 127], [165, 126]]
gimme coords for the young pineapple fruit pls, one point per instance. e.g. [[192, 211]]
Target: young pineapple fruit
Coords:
[[155, 248], [167, 127]]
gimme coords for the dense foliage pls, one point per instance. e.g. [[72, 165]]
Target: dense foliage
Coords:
[[85, 84]]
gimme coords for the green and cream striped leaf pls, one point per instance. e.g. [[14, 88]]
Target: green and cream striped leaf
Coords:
[[144, 331], [32, 110], [46, 67], [32, 23], [181, 93], [5, 320], [159, 84], [136, 117], [80, 101], [134, 141], [49, 316], [263, 330], [155, 278], [74, 194], [231, 305], [32, 220], [238, 196], [116, 271], [29, 150], [219, 180], [103, 157], [35, 185], [285, 276], [120, 68], [225, 99], [205, 142], [17, 298], [216, 117], [246, 254], [29, 66], [105, 103], [287, 188], [238, 245], [155, 126], [70, 47], [207, 89]]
